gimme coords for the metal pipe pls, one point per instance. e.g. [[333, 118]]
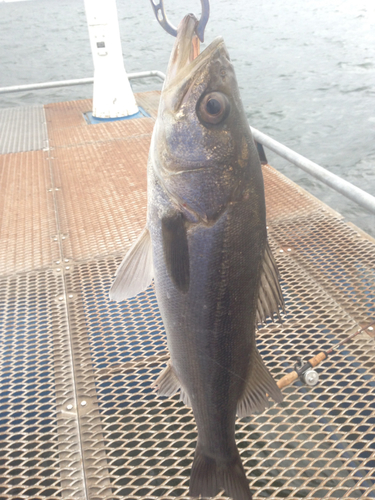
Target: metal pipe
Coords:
[[70, 83], [146, 74], [344, 187], [45, 85]]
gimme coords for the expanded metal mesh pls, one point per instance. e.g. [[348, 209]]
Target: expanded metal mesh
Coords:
[[319, 442], [39, 448], [78, 416]]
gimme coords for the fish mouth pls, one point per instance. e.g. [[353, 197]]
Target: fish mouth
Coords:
[[186, 55]]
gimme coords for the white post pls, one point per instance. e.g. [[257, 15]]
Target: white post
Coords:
[[113, 96]]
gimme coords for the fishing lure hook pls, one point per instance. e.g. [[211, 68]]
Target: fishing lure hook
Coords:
[[162, 19]]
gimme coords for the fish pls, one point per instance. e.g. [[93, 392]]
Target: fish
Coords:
[[205, 245]]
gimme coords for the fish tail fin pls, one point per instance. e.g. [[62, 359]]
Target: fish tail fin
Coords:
[[210, 476]]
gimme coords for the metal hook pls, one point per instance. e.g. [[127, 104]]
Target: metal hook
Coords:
[[163, 20]]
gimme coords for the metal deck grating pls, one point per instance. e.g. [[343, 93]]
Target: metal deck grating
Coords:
[[22, 129], [78, 417], [149, 101], [150, 441], [285, 199], [102, 132], [66, 114], [39, 441], [108, 180], [27, 216]]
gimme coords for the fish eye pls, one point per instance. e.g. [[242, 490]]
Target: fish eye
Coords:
[[213, 108]]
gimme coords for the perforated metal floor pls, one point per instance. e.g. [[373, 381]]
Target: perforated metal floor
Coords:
[[78, 417]]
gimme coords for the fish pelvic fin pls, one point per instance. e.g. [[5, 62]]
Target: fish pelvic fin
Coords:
[[209, 476], [259, 385], [270, 296], [168, 384], [184, 397], [136, 271]]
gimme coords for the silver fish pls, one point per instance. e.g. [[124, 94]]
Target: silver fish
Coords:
[[205, 245]]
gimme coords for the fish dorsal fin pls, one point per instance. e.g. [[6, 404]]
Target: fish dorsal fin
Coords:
[[270, 297], [259, 385], [176, 250], [135, 272]]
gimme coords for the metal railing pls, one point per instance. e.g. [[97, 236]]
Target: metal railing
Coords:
[[335, 182], [71, 83]]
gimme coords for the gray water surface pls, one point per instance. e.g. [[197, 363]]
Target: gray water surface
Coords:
[[306, 71]]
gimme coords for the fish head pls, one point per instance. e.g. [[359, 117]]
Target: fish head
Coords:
[[202, 142]]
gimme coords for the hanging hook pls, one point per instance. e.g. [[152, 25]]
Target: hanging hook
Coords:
[[169, 28]]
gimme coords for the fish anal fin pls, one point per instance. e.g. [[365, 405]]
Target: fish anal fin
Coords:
[[270, 297], [209, 476], [259, 385], [135, 272], [176, 251]]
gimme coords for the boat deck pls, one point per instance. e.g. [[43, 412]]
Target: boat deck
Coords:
[[78, 416]]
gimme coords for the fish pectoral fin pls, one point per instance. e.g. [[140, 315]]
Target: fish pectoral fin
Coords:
[[259, 385], [176, 250], [136, 271], [270, 296], [167, 382]]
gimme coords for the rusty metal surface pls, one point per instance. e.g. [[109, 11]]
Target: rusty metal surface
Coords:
[[102, 200], [102, 132], [66, 114], [284, 198], [27, 219], [149, 101], [78, 416], [99, 169], [67, 125]]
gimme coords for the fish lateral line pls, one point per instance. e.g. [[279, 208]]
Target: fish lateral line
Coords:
[[190, 170]]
